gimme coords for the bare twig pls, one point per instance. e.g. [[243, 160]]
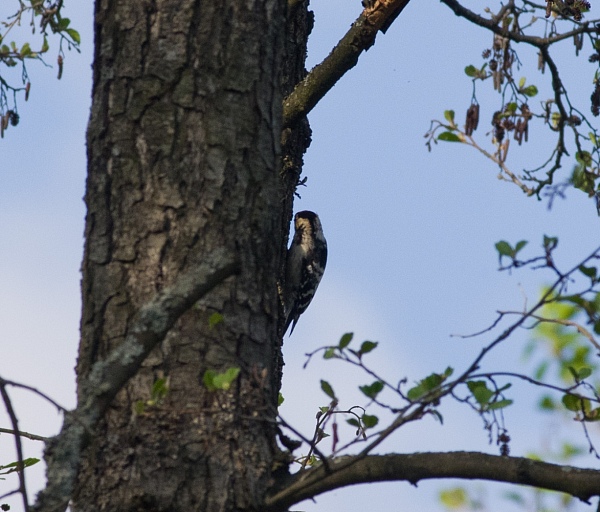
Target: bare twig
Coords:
[[33, 390], [582, 330], [15, 424], [32, 437]]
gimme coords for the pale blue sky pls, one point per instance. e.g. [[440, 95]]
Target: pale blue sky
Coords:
[[411, 234]]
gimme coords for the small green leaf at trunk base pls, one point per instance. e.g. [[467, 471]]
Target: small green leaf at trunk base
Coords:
[[220, 381], [214, 320]]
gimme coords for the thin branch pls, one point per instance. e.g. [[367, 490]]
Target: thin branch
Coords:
[[18, 445], [27, 435], [492, 24], [33, 390], [500, 162], [580, 329], [107, 377], [581, 483], [342, 58]]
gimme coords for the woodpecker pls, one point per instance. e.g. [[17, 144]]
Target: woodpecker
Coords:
[[306, 260]]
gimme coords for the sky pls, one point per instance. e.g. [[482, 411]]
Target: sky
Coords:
[[411, 237]]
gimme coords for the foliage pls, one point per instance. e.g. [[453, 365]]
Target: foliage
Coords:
[[215, 381], [539, 27], [556, 323], [45, 19]]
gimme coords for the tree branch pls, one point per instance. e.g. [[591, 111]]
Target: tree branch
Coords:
[[342, 58], [492, 24], [33, 437], [149, 327], [344, 471], [15, 424]]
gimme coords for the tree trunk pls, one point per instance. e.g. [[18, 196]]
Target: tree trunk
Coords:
[[184, 157]]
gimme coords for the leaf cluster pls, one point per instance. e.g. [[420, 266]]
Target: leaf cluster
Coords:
[[47, 22]]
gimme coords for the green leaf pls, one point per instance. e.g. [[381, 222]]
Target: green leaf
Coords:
[[580, 373], [330, 353], [530, 91], [515, 497], [571, 402], [550, 242], [590, 272], [369, 421], [45, 46], [367, 346], [139, 407], [522, 82], [63, 23], [372, 390], [437, 416], [449, 115], [471, 71], [280, 399], [555, 118], [354, 422], [511, 107], [15, 466], [520, 245], [74, 35], [345, 340], [500, 404], [584, 158], [593, 139], [220, 381], [327, 389], [25, 50], [432, 381], [159, 389], [593, 415], [569, 450], [480, 391], [416, 392], [541, 370], [573, 373], [428, 384], [456, 498], [504, 248], [584, 372], [214, 320], [449, 137], [547, 403]]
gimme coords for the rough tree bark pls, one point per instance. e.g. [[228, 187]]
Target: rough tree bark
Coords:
[[184, 157], [192, 173]]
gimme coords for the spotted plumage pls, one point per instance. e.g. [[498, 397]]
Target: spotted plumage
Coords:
[[306, 260]]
